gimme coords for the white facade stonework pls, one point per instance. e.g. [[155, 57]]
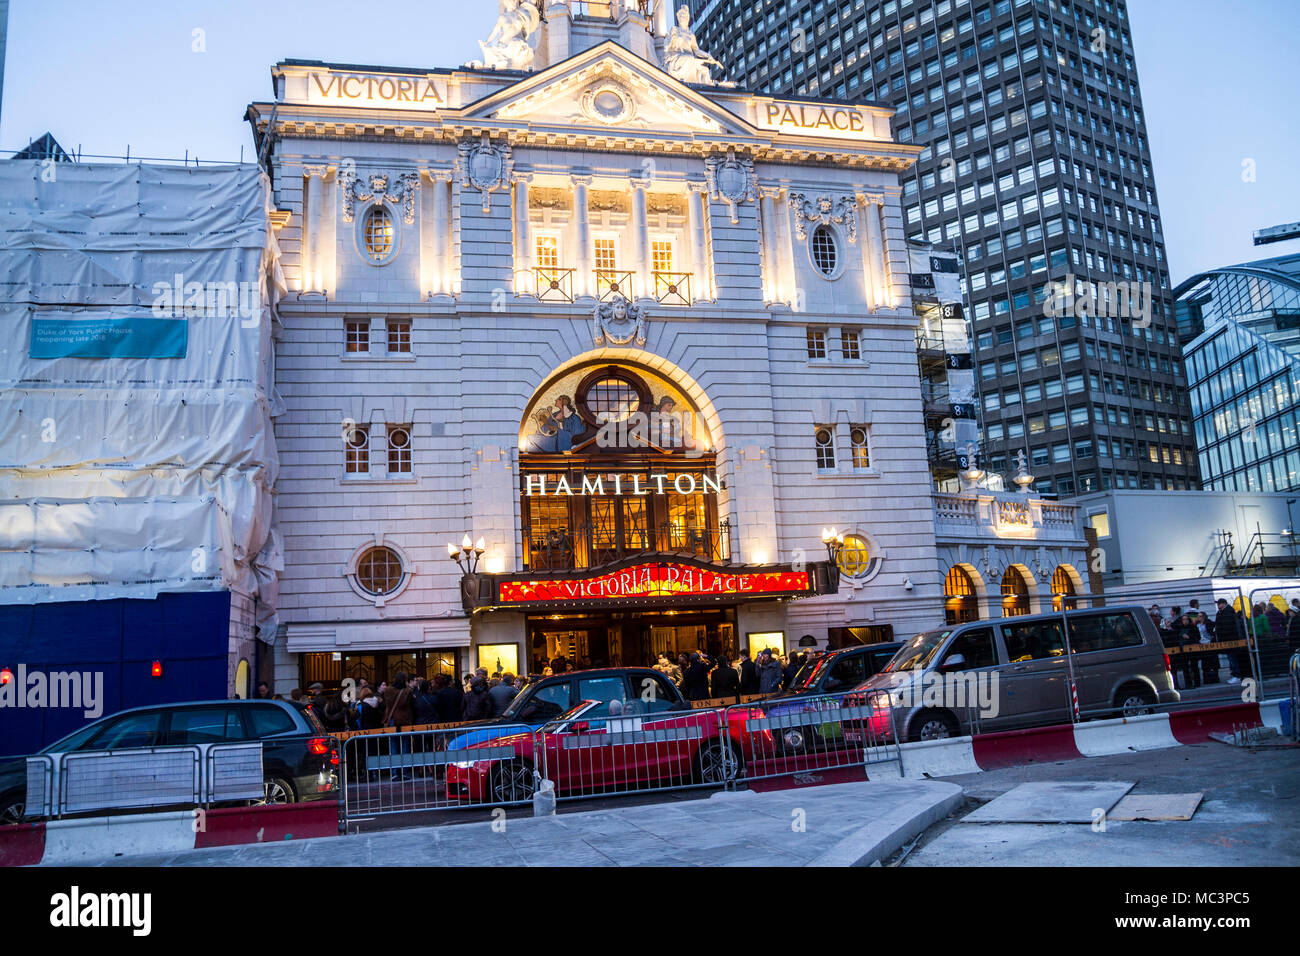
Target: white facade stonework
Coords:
[[598, 154]]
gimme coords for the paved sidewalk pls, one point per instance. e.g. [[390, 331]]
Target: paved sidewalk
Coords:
[[840, 825]]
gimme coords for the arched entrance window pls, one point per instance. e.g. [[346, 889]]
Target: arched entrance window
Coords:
[[1063, 590], [1015, 593], [960, 602]]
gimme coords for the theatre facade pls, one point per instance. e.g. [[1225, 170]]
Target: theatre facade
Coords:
[[583, 353]]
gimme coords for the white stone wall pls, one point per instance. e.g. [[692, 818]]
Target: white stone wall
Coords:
[[477, 359]]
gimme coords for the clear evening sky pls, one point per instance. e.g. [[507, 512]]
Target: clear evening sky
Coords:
[[1219, 85]]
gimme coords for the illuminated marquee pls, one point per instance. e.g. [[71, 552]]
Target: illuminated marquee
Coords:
[[656, 581]]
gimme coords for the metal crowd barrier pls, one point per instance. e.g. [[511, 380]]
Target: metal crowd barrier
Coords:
[[638, 752], [433, 769], [634, 750], [139, 778], [815, 734], [1294, 677]]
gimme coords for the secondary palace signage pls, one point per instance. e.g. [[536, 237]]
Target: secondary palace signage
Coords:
[[664, 582], [655, 580]]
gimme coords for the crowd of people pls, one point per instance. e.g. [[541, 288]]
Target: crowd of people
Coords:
[[405, 702], [1275, 634]]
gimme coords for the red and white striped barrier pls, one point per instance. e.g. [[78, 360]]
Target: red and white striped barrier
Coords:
[[92, 839], [1098, 738]]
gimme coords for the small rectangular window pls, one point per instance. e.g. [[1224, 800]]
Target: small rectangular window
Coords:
[[399, 336], [356, 451], [816, 343], [548, 252], [825, 439], [399, 449], [357, 335], [851, 345], [861, 451]]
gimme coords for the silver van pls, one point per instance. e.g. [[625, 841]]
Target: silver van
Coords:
[[1011, 673]]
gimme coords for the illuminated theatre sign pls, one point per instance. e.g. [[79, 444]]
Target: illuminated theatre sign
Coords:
[[536, 485], [663, 582]]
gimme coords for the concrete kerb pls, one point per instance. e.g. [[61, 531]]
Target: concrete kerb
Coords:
[[891, 832]]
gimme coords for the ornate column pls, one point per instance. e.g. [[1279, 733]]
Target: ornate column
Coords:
[[785, 250], [701, 280], [772, 286], [641, 239], [523, 280], [312, 247], [583, 282], [876, 256], [437, 274]]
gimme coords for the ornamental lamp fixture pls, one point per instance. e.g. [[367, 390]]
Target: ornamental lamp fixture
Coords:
[[469, 553], [834, 541]]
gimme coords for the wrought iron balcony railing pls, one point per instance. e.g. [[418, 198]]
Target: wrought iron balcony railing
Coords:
[[591, 546], [612, 282], [548, 283], [672, 288]]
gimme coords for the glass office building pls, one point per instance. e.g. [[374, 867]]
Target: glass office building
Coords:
[[1037, 170], [1241, 325]]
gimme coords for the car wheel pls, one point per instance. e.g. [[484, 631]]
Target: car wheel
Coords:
[[276, 791], [11, 809], [717, 763], [1134, 700], [512, 782], [932, 725]]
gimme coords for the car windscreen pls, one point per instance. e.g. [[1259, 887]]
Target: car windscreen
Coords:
[[810, 673], [917, 653], [310, 716]]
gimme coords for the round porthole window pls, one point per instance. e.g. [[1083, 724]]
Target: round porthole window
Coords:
[[379, 571], [824, 248]]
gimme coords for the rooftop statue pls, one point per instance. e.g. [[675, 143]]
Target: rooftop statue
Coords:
[[508, 47], [683, 57]]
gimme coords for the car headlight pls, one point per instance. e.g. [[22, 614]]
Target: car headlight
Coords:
[[880, 700], [466, 764]]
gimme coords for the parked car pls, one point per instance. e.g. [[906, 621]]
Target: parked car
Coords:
[[299, 760], [1019, 673], [545, 700], [819, 686], [653, 744]]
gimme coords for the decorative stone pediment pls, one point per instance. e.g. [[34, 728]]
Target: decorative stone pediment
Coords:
[[607, 88]]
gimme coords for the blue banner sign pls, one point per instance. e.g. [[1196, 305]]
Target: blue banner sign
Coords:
[[108, 338]]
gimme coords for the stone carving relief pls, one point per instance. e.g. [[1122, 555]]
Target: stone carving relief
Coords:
[[618, 321], [819, 210], [398, 190], [731, 180], [485, 166]]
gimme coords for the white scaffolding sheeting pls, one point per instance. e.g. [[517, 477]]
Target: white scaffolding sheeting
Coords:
[[138, 470]]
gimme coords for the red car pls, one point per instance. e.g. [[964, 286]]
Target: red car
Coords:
[[597, 747]]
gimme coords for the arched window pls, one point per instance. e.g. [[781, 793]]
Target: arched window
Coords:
[[1015, 593], [960, 601], [1063, 589]]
